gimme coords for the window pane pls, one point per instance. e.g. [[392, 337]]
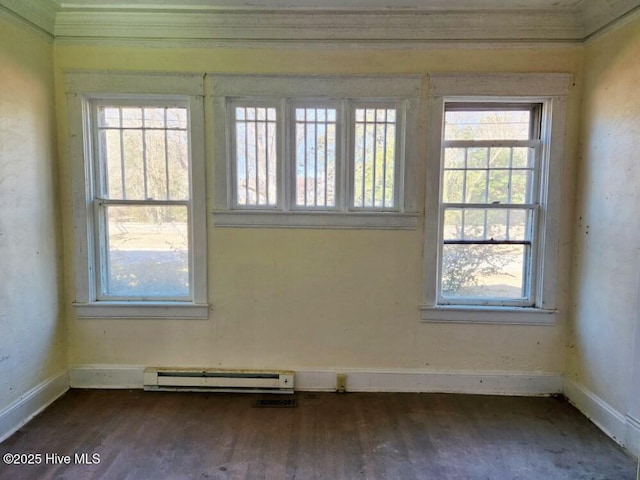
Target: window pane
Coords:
[[520, 186], [315, 157], [132, 117], [453, 186], [476, 186], [147, 253], [110, 147], [453, 224], [178, 159], [500, 157], [455, 158], [487, 125], [144, 159], [109, 117], [157, 185], [134, 168], [256, 162], [477, 157], [487, 224], [177, 118], [375, 157], [484, 271], [154, 117], [499, 184]]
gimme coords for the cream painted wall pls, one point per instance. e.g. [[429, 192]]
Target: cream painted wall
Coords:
[[607, 231], [324, 299], [32, 334]]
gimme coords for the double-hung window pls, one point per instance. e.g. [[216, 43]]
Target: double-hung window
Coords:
[[335, 152], [493, 172], [140, 198], [489, 203]]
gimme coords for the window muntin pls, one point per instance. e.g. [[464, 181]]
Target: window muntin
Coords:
[[374, 166], [142, 200], [489, 203], [255, 163]]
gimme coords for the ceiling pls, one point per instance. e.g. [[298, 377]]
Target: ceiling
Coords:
[[295, 22]]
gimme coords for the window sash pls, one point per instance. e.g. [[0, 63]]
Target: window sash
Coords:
[[527, 300], [101, 188], [102, 272], [529, 242]]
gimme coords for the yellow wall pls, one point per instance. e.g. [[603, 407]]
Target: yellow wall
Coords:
[[607, 231], [316, 298], [32, 334]]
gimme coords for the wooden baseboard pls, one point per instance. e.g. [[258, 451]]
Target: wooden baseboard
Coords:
[[492, 383], [31, 403], [625, 430]]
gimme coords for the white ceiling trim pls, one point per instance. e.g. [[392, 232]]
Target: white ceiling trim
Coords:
[[320, 5], [502, 26], [396, 23]]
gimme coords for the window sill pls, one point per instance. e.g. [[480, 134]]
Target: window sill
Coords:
[[133, 310], [490, 315], [298, 219]]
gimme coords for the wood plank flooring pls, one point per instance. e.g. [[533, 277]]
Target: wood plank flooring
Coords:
[[160, 435]]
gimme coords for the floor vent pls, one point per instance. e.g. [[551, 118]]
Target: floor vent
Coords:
[[276, 403], [208, 380]]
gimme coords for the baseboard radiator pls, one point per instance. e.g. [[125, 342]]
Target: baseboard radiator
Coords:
[[217, 380]]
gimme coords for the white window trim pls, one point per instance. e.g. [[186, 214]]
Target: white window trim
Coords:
[[83, 87], [549, 89], [287, 90]]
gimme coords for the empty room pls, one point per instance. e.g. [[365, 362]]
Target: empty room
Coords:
[[298, 239]]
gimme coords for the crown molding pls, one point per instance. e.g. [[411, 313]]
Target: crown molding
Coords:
[[291, 23], [318, 5], [495, 26]]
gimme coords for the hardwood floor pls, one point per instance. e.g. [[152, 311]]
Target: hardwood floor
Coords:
[[158, 435]]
